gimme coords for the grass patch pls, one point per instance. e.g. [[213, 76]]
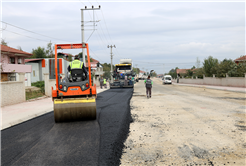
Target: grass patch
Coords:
[[37, 93], [34, 94]]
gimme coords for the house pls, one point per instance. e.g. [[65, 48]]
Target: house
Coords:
[[159, 75], [242, 59], [184, 71], [40, 66], [98, 71], [45, 65], [65, 55], [13, 62]]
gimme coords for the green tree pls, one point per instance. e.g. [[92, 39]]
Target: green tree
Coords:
[[3, 42], [81, 57], [199, 73], [19, 48], [38, 53], [153, 74], [136, 70], [193, 67], [210, 65], [50, 50], [70, 59], [107, 74], [173, 72]]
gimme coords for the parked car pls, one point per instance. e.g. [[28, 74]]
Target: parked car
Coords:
[[167, 79]]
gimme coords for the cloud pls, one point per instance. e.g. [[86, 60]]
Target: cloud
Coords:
[[152, 34]]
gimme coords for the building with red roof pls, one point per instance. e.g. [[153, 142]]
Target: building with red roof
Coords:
[[12, 62], [242, 59]]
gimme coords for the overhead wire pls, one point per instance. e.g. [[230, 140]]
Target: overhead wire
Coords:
[[33, 32], [27, 36]]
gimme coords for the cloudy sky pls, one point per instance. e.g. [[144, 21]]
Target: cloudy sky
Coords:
[[158, 35]]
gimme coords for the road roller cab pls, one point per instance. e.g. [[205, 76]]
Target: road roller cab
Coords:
[[74, 96]]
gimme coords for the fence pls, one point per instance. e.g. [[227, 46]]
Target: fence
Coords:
[[228, 81], [48, 84], [13, 92]]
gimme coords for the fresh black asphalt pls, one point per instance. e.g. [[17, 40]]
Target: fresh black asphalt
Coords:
[[41, 141]]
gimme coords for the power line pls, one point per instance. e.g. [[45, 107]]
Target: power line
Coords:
[[33, 32], [27, 36]]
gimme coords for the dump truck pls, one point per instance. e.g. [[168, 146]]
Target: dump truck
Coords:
[[123, 69], [74, 97]]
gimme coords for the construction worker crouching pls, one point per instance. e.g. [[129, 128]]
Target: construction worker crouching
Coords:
[[77, 64], [148, 85]]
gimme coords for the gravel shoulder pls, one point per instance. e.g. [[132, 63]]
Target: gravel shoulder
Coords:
[[183, 125]]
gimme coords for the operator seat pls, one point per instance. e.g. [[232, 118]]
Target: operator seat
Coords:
[[77, 75]]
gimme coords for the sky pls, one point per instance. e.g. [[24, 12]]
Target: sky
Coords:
[[156, 35]]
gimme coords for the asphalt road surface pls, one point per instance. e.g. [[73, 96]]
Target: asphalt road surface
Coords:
[[41, 141], [182, 125]]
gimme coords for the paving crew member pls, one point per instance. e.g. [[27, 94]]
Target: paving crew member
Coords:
[[77, 64], [148, 85], [105, 82], [101, 82]]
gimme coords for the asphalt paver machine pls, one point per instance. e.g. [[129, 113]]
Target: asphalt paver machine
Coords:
[[74, 97]]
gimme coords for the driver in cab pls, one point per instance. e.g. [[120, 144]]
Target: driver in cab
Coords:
[[77, 64]]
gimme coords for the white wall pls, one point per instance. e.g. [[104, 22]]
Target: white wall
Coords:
[[35, 70], [48, 84], [13, 92], [27, 78], [228, 81]]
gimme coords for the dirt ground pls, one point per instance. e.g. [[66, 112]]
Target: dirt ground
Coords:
[[183, 125]]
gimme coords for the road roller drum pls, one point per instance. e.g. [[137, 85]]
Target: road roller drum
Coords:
[[74, 109]]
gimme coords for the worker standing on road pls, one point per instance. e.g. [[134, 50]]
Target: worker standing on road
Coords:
[[105, 83], [125, 83], [148, 85], [101, 82], [77, 64]]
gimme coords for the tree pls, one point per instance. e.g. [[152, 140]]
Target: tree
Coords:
[[50, 50], [3, 42], [189, 73], [107, 74], [173, 72], [19, 48], [136, 70], [231, 68], [38, 53], [70, 58], [81, 57], [193, 67], [209, 66], [199, 73], [153, 74], [198, 63]]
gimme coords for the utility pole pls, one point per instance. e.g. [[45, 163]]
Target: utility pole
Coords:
[[163, 69], [136, 68], [82, 28], [111, 62]]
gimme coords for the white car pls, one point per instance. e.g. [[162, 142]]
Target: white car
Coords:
[[167, 79]]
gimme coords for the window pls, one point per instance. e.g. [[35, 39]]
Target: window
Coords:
[[12, 60]]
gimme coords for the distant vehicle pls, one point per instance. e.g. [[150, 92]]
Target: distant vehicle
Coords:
[[124, 68], [167, 79]]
